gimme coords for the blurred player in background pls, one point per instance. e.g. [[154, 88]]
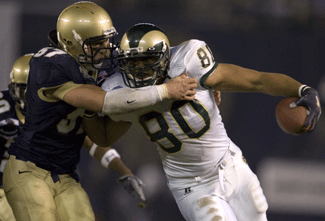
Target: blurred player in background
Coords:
[[206, 171], [40, 179], [12, 116]]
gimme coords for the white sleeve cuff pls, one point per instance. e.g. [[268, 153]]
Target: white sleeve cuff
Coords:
[[93, 149], [302, 88]]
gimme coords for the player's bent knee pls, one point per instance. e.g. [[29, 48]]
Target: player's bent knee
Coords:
[[257, 196], [210, 207]]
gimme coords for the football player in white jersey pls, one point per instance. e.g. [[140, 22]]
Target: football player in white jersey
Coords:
[[206, 172]]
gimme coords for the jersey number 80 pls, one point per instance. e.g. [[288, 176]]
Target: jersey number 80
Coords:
[[164, 133]]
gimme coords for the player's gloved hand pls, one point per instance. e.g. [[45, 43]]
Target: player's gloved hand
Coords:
[[133, 186], [310, 99]]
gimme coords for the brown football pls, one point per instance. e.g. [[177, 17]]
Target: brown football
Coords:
[[291, 120]]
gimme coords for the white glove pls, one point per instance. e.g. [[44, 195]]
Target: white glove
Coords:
[[133, 185]]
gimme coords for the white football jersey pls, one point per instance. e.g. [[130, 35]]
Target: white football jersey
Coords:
[[190, 136]]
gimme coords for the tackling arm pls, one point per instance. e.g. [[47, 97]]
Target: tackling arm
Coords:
[[127, 100]]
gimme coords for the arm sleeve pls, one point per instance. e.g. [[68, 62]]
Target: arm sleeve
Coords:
[[127, 100]]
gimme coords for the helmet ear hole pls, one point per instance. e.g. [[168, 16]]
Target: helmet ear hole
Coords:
[[69, 43]]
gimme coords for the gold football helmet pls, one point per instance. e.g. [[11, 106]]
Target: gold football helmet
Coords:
[[143, 55], [18, 81], [84, 30]]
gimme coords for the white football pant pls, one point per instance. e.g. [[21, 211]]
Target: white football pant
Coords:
[[237, 197]]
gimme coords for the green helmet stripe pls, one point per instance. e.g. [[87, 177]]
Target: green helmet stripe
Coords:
[[135, 34]]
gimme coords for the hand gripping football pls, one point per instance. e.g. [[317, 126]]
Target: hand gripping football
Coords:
[[291, 120]]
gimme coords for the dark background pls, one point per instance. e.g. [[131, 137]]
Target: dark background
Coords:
[[272, 36]]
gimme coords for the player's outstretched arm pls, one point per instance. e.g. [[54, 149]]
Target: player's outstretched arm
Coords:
[[86, 96], [111, 159], [229, 77], [127, 100]]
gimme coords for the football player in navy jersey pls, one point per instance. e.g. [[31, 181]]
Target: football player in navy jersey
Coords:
[[39, 177], [12, 111], [12, 116]]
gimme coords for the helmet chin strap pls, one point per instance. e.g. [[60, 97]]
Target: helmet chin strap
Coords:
[[97, 66]]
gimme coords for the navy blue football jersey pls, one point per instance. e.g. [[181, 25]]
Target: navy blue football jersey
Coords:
[[52, 135], [9, 126]]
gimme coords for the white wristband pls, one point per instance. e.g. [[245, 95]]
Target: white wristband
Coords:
[[302, 88], [108, 157], [93, 149], [163, 91]]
